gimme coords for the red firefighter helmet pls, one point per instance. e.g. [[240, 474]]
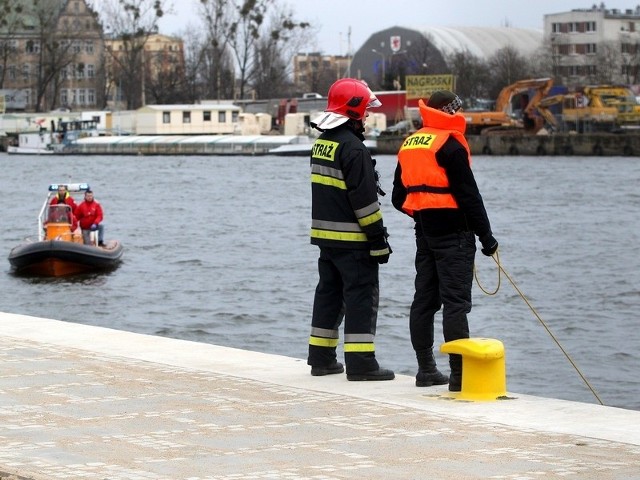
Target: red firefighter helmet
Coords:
[[348, 98], [351, 98]]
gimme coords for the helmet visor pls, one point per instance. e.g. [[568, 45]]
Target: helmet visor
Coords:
[[373, 100]]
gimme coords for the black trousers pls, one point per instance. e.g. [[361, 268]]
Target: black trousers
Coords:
[[444, 276], [347, 288]]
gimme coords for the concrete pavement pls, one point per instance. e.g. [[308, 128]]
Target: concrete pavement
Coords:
[[83, 402]]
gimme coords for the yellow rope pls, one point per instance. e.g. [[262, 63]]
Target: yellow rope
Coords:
[[496, 258]]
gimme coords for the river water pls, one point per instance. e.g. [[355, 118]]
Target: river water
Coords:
[[217, 251]]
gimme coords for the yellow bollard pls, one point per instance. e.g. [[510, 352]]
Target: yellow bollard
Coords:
[[484, 375]]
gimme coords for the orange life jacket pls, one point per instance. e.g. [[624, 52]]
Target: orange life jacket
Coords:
[[426, 182]]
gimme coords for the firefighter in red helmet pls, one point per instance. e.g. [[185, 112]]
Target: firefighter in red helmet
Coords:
[[348, 228]]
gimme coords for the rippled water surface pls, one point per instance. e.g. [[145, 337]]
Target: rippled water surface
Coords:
[[217, 251]]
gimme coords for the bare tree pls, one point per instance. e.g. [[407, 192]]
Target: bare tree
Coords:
[[274, 55], [472, 76], [506, 66], [212, 63], [130, 23], [165, 76], [56, 51], [10, 22], [608, 64]]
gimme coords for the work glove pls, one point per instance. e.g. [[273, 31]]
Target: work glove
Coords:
[[489, 245], [94, 227], [380, 250]]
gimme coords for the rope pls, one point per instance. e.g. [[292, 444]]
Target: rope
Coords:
[[496, 258]]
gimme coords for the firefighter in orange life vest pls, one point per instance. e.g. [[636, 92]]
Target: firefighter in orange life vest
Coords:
[[347, 226], [434, 184]]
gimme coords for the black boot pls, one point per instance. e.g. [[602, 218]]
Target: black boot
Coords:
[[455, 379], [428, 373], [335, 367], [379, 374]]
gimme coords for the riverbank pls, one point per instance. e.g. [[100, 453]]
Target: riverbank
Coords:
[[565, 144], [126, 405], [596, 144]]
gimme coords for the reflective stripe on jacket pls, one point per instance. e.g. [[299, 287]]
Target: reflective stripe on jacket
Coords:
[[345, 209]]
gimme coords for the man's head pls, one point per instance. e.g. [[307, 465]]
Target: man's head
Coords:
[[348, 99], [88, 195], [445, 101], [62, 190]]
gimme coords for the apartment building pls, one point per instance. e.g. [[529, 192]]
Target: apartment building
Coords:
[[315, 72], [161, 70], [595, 45], [51, 64]]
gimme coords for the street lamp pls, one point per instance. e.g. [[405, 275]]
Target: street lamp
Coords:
[[383, 61]]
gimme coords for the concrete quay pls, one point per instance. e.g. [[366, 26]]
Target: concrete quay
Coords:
[[84, 402], [557, 144]]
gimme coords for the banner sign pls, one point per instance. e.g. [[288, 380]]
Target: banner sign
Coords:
[[422, 86]]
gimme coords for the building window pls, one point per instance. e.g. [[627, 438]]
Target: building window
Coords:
[[25, 72], [91, 96], [91, 71], [82, 97], [166, 117], [234, 117], [591, 49], [206, 116], [77, 46], [64, 97], [222, 117], [12, 72], [186, 117], [32, 47], [591, 26], [88, 47]]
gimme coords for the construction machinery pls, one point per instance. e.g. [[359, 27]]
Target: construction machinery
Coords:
[[515, 109], [593, 108]]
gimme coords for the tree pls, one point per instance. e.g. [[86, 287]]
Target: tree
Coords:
[[472, 76], [129, 24], [56, 52], [274, 55], [212, 66], [165, 77], [506, 67], [10, 23], [608, 64]]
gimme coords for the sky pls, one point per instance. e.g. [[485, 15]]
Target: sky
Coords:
[[334, 19]]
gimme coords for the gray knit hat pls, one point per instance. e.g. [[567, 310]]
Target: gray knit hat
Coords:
[[445, 101]]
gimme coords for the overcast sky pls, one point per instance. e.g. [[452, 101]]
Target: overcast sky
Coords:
[[334, 18]]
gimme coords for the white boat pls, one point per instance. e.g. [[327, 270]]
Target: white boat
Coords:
[[47, 143], [33, 144]]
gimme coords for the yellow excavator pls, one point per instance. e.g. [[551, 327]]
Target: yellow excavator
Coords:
[[593, 108], [515, 109]]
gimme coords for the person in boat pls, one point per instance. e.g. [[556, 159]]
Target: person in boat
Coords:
[[434, 184], [90, 216], [348, 228], [63, 196], [62, 213]]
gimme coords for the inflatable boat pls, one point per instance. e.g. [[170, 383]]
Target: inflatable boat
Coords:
[[59, 249]]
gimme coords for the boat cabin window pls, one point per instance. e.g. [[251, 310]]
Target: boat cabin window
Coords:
[[59, 214]]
